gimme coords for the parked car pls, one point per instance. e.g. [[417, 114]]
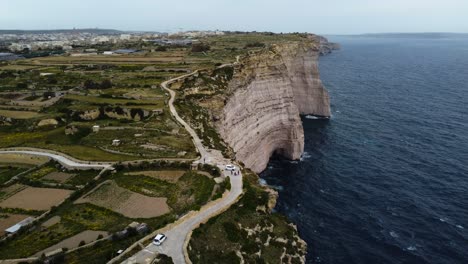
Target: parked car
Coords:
[[159, 239], [230, 167]]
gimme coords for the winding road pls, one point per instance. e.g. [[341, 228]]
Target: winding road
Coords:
[[179, 233], [61, 158]]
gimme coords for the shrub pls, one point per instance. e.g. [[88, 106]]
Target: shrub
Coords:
[[200, 47], [232, 231]]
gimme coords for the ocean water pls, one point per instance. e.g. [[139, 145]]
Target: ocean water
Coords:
[[386, 179]]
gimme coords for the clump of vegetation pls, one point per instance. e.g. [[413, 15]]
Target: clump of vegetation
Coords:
[[190, 192], [249, 229], [200, 47], [255, 45]]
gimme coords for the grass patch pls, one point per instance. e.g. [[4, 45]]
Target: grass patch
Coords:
[[82, 177], [6, 173], [190, 192], [19, 114]]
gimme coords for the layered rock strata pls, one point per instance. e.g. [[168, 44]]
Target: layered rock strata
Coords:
[[268, 92]]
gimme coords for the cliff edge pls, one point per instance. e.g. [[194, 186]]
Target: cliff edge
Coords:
[[268, 92]]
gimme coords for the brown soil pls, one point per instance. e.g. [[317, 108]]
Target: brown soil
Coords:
[[10, 190], [168, 175], [125, 202], [60, 177], [10, 220], [33, 198], [73, 242]]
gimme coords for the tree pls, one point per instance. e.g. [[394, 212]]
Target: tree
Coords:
[[90, 84], [106, 84], [21, 85], [200, 47]]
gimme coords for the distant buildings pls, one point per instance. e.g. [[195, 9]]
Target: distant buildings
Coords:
[[164, 41]]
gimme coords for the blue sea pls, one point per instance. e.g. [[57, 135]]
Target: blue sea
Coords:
[[385, 180]]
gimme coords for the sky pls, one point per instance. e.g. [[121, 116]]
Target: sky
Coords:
[[317, 16]]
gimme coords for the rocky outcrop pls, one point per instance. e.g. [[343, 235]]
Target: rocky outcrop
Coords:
[[47, 122], [268, 92]]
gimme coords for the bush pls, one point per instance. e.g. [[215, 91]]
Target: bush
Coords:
[[232, 232], [255, 45], [200, 47]]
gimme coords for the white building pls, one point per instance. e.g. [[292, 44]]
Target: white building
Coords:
[[116, 142], [125, 36]]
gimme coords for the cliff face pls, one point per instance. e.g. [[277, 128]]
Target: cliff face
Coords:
[[268, 92]]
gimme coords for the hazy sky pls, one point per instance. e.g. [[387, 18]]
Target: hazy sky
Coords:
[[318, 16]]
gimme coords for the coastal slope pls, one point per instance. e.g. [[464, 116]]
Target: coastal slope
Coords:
[[269, 91]]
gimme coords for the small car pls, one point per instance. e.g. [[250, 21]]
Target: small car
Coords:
[[230, 167], [159, 239]]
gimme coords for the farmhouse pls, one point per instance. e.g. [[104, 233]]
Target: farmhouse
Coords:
[[116, 142], [15, 228], [96, 128]]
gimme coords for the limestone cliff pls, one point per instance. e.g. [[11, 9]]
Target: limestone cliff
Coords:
[[268, 92]]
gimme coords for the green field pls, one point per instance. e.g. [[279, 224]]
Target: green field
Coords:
[[190, 192]]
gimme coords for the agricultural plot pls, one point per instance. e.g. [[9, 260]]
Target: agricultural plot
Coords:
[[39, 199], [74, 220], [190, 192], [11, 190], [74, 241], [8, 172], [133, 205], [171, 176], [8, 220], [9, 159], [60, 177], [19, 114]]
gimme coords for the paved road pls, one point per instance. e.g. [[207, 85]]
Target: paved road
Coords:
[[176, 236], [60, 158], [178, 233], [196, 140]]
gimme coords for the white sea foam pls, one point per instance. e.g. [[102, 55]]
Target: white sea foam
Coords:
[[459, 226], [311, 117], [411, 248], [394, 234]]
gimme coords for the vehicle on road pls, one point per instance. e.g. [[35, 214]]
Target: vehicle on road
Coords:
[[159, 239], [230, 167]]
